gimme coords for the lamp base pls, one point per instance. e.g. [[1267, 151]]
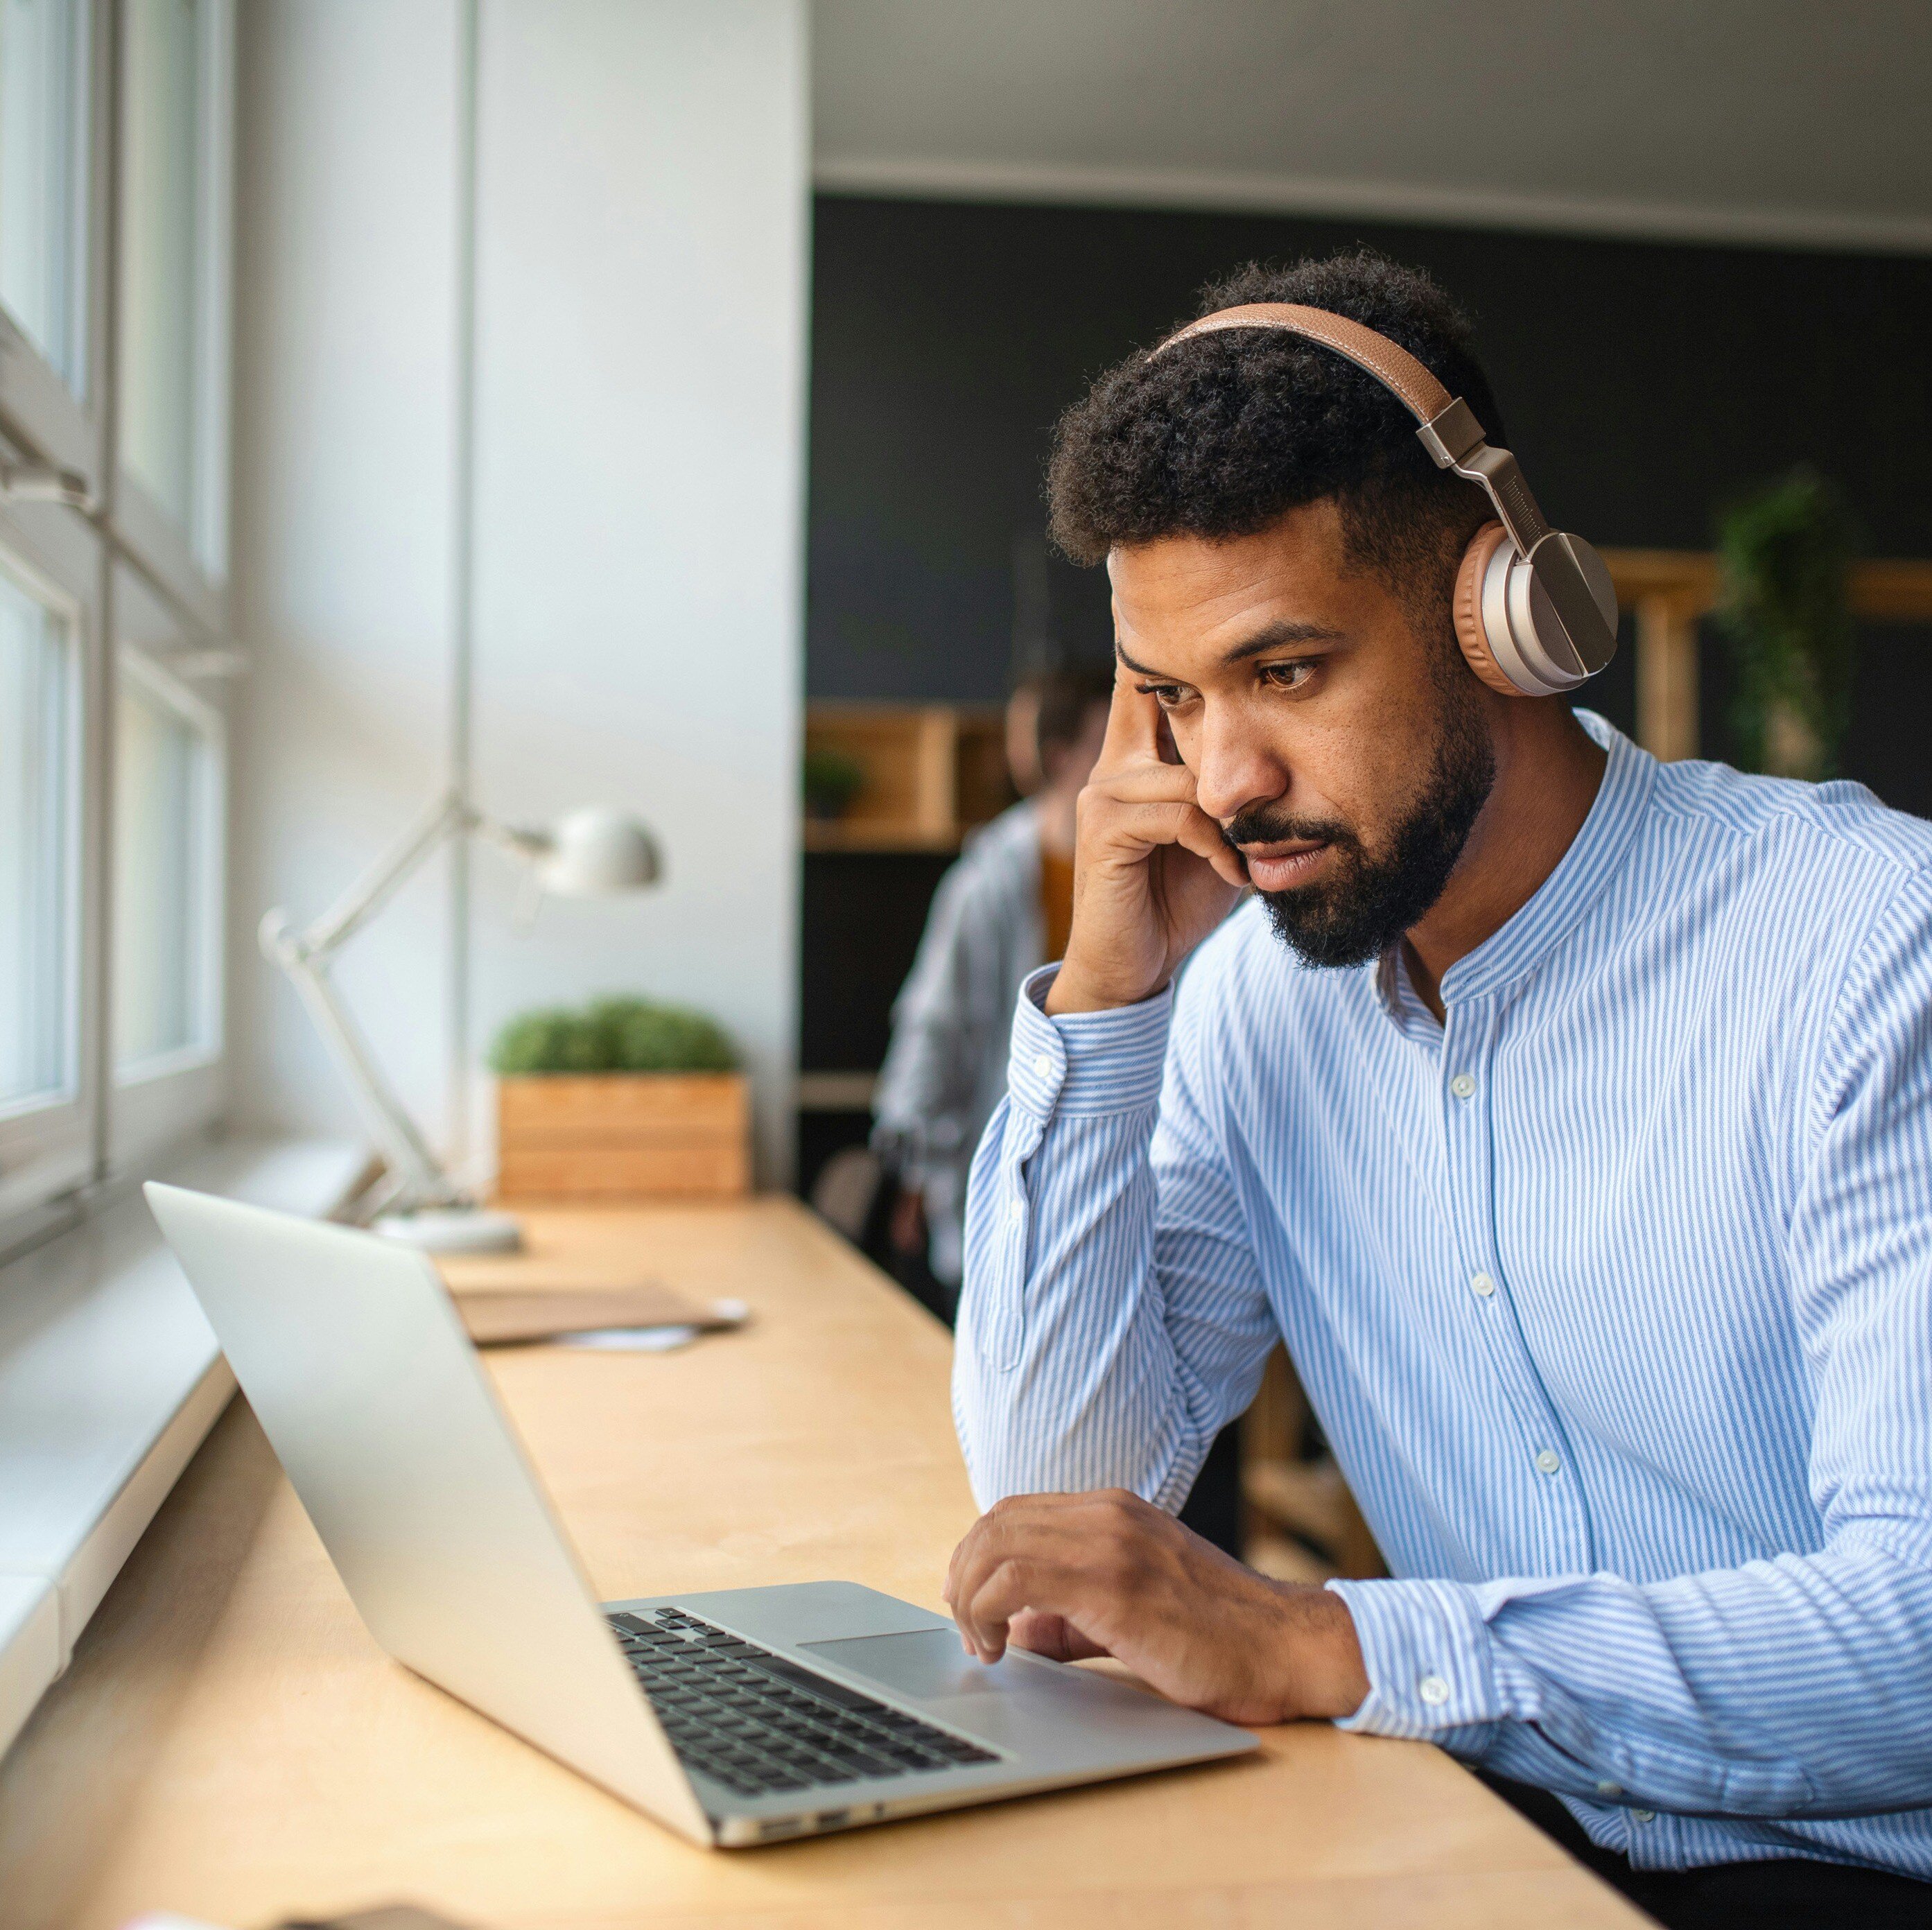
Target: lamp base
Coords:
[[453, 1229]]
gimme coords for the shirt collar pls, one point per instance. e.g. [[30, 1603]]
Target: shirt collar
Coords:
[[1562, 898]]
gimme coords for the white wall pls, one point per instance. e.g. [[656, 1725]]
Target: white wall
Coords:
[[642, 236], [344, 329], [640, 387]]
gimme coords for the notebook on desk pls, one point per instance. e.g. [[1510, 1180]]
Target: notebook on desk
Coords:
[[518, 1316]]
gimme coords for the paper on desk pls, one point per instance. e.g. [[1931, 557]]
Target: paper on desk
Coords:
[[630, 1339], [662, 1339]]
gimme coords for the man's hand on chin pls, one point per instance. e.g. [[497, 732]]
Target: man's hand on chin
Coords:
[[1107, 1574]]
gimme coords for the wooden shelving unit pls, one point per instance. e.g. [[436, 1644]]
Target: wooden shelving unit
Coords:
[[933, 772], [1667, 592]]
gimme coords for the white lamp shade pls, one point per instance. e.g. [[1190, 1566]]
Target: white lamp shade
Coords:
[[596, 851]]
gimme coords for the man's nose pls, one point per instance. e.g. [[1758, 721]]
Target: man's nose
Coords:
[[1235, 769]]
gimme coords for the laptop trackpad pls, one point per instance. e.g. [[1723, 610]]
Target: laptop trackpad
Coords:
[[927, 1663]]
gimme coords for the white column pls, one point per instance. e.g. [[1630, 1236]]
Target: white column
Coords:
[[642, 316], [643, 232]]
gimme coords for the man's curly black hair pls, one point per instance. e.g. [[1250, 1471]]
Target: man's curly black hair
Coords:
[[1218, 437]]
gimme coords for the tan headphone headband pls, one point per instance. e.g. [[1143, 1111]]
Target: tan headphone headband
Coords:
[[1394, 367], [1529, 652]]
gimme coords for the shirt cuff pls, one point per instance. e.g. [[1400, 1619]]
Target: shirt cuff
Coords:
[[1425, 1649], [1092, 1064]]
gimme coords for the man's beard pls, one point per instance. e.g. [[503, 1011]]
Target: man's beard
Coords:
[[1358, 913]]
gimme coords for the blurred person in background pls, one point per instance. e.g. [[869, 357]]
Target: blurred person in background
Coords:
[[1001, 913]]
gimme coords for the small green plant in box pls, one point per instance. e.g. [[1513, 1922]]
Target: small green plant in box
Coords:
[[621, 1098], [612, 1035]]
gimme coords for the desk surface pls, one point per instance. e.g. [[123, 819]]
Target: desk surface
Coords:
[[229, 1743]]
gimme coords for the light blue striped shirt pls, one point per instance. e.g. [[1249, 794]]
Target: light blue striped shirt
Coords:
[[1613, 1295]]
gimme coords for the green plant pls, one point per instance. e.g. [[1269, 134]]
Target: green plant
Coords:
[[1784, 556], [612, 1035], [832, 779]]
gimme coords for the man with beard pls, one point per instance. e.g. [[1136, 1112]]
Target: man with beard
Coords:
[[1567, 1115]]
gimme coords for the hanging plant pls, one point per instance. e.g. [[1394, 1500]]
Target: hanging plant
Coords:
[[1784, 607]]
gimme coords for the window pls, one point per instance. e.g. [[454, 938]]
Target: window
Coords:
[[171, 343], [114, 123], [43, 179], [167, 854], [37, 850], [159, 192]]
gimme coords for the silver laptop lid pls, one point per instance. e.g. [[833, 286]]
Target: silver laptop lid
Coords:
[[356, 1363]]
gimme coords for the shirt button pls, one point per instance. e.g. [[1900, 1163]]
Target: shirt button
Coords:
[[1042, 1064], [1549, 1461], [1462, 1085], [1484, 1285], [1643, 1816], [1017, 1209], [1609, 1789], [1433, 1690]]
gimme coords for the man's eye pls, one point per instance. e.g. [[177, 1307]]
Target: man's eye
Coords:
[[1287, 676], [1168, 696]]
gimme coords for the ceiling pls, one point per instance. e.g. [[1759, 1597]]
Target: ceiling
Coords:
[[1794, 122]]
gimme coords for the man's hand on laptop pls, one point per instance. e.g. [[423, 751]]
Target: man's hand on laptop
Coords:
[[1107, 1573], [1152, 875]]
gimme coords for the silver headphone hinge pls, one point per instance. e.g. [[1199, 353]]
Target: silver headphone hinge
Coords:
[[1451, 433]]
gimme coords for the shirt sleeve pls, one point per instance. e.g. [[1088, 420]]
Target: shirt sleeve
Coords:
[[1111, 1319], [1798, 1685]]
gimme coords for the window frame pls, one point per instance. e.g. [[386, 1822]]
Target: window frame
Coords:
[[49, 1150], [163, 1099], [190, 564], [48, 422], [140, 582]]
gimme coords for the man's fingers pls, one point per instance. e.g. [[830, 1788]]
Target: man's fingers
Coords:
[[1154, 804], [1012, 1587], [1133, 723], [1036, 1536], [1141, 828], [1146, 784], [1198, 833], [1050, 1635]]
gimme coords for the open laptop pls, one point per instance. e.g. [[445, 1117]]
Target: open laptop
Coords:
[[743, 1716]]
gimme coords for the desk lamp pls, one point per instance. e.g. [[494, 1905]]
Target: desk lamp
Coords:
[[588, 853]]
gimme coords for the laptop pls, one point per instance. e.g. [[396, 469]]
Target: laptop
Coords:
[[736, 1717]]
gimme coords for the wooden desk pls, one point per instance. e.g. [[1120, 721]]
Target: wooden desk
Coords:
[[230, 1744]]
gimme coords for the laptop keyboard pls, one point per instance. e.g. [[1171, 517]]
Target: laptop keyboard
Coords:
[[759, 1723]]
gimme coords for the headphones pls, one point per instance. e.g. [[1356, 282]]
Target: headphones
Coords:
[[1535, 611]]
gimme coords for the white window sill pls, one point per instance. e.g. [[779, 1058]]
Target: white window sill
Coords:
[[110, 1378]]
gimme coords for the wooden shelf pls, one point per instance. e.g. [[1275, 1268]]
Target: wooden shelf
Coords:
[[836, 1091], [843, 835], [933, 772], [1667, 592]]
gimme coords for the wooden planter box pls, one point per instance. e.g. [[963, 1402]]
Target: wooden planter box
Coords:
[[612, 1136]]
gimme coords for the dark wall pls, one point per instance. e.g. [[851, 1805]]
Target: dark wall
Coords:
[[1643, 384]]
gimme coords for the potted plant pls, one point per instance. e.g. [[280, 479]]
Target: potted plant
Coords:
[[1784, 557], [622, 1098], [833, 779]]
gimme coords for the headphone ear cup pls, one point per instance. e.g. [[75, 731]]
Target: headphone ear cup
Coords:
[[1470, 631]]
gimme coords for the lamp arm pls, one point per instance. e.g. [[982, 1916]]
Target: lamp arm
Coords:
[[365, 899], [304, 955], [422, 1182]]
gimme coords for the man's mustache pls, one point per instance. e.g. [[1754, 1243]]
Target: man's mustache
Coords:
[[1258, 825]]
